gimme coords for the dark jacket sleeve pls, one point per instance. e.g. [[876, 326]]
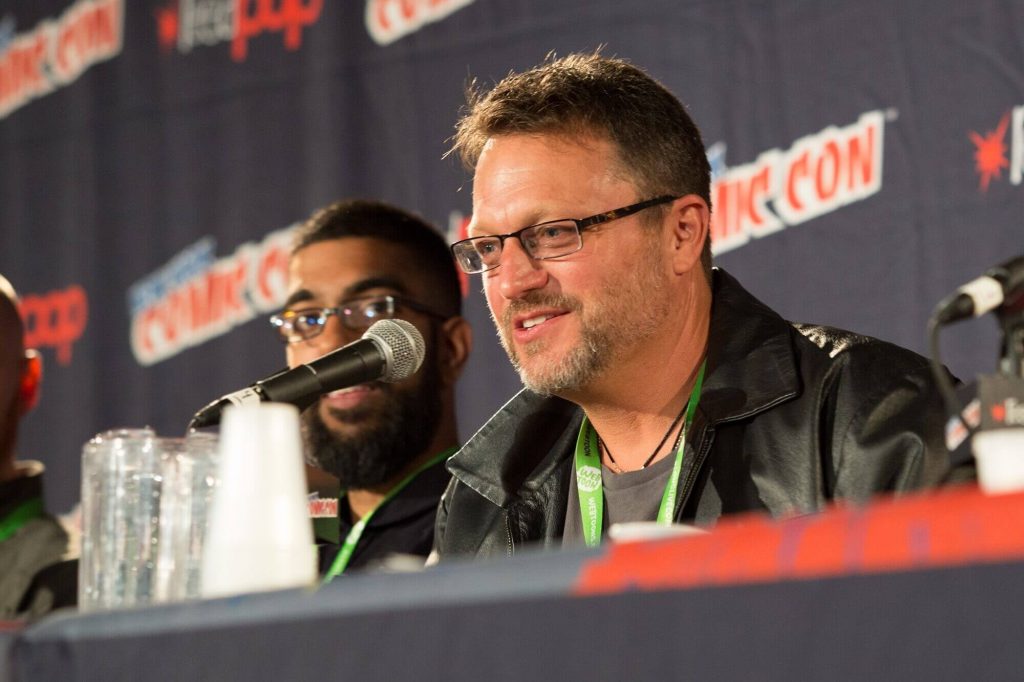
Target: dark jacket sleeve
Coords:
[[888, 433]]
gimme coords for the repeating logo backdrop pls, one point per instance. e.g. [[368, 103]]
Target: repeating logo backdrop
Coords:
[[868, 159]]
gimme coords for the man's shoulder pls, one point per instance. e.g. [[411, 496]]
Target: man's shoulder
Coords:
[[868, 382], [831, 340], [856, 352], [756, 348], [827, 344]]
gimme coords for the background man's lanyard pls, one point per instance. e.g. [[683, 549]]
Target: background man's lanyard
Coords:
[[19, 516], [588, 473], [352, 539]]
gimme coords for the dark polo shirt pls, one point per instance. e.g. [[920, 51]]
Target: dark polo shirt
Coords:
[[404, 525]]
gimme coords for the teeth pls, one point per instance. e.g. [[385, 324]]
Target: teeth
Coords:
[[342, 391], [534, 321]]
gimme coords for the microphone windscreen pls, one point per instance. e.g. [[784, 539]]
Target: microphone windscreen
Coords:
[[402, 343]]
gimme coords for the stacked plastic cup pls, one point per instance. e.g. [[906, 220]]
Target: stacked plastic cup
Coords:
[[999, 454], [259, 537]]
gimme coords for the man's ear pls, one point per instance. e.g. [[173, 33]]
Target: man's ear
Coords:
[[457, 337], [690, 220], [31, 378]]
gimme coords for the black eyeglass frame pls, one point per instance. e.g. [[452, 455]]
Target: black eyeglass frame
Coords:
[[581, 225], [394, 301]]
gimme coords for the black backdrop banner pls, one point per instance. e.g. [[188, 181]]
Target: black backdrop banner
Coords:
[[154, 155]]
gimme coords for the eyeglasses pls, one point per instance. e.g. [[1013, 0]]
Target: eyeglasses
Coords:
[[357, 314], [552, 239]]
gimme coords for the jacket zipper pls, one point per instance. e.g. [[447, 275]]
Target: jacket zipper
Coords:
[[508, 532], [706, 447], [702, 454]]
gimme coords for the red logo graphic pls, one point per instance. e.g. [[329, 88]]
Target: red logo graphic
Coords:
[[174, 315], [55, 320], [291, 17], [389, 20], [1010, 412], [458, 226], [187, 23], [817, 174], [990, 152], [323, 509], [58, 50], [167, 26]]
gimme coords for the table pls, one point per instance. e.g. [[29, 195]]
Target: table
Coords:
[[927, 587]]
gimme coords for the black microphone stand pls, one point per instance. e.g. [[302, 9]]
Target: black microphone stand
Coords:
[[1002, 394], [1011, 319], [996, 400]]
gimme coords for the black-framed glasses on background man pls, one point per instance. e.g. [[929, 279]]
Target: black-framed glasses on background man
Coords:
[[303, 324], [552, 239]]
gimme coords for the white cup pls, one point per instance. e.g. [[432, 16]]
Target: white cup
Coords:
[[637, 531], [259, 537], [999, 454]]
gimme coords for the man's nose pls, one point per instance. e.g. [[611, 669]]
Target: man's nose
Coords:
[[334, 335], [518, 272]]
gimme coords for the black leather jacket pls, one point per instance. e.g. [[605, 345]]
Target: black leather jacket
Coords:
[[790, 418]]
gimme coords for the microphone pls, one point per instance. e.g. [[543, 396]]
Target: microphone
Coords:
[[988, 292], [389, 351]]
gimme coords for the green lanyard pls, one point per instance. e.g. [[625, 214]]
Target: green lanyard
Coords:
[[22, 514], [352, 539], [588, 473]]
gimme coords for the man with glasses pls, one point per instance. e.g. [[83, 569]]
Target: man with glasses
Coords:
[[354, 263], [658, 389]]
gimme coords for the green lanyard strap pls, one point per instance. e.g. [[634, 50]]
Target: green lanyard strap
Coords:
[[588, 473], [22, 514], [356, 532]]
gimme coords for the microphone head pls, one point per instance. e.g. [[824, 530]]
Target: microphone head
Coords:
[[402, 345]]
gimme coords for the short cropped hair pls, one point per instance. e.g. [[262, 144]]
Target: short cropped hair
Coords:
[[423, 242], [10, 320], [12, 353], [658, 144]]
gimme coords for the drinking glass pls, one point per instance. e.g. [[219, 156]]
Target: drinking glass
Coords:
[[118, 489], [145, 503]]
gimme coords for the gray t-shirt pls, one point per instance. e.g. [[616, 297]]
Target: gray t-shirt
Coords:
[[630, 496]]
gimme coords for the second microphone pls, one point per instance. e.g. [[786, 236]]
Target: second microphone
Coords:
[[389, 351]]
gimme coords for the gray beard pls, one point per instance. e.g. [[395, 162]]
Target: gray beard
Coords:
[[403, 430], [620, 317]]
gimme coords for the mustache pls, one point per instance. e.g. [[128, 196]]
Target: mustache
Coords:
[[533, 300], [376, 384]]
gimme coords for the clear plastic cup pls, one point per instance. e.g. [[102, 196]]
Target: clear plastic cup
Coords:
[[189, 479], [204, 452], [116, 492], [144, 508]]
